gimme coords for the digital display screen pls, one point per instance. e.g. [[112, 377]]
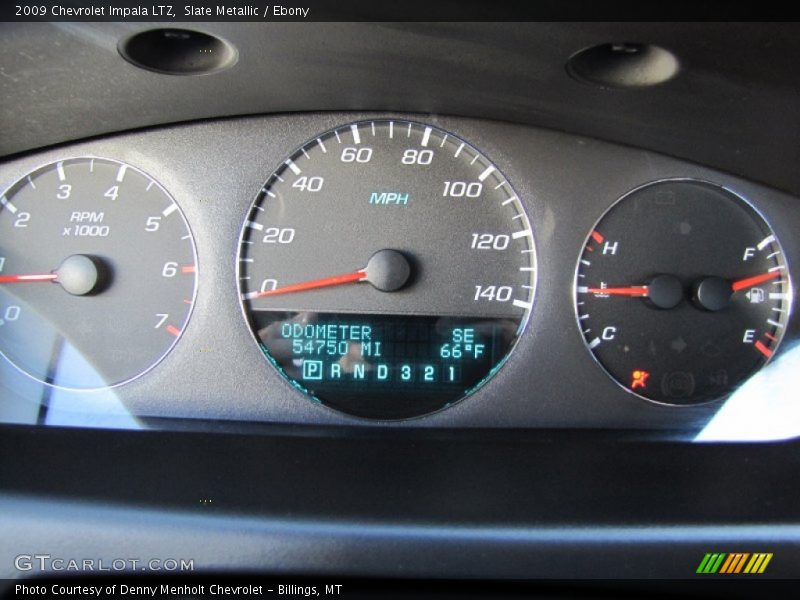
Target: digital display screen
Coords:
[[384, 366]]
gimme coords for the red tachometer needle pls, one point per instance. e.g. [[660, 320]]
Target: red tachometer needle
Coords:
[[640, 291], [743, 284], [27, 278], [353, 277]]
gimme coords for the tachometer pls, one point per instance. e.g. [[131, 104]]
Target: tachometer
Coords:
[[97, 273], [682, 292], [387, 269]]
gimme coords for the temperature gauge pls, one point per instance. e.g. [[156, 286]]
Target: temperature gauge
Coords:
[[682, 292]]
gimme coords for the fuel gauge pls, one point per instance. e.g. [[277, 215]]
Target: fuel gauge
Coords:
[[682, 292]]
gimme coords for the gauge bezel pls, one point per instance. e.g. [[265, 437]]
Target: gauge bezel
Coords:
[[576, 313]]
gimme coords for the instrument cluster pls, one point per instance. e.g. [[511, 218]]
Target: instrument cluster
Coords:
[[391, 269]]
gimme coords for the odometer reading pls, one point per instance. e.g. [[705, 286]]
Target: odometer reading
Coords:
[[387, 269], [682, 292]]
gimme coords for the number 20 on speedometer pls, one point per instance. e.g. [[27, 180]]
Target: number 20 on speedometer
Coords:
[[387, 269]]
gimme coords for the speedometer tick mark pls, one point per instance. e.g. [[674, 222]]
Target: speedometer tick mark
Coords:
[[426, 136], [522, 304], [321, 145], [486, 172], [458, 151], [356, 135], [295, 169]]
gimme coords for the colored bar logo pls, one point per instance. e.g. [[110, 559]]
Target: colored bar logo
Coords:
[[734, 563]]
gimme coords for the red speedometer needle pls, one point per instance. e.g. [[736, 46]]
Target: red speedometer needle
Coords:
[[27, 278], [639, 290], [353, 277], [743, 284]]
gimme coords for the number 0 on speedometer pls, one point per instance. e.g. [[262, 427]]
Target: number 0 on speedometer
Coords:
[[387, 269]]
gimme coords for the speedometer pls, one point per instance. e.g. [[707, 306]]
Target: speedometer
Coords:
[[387, 269]]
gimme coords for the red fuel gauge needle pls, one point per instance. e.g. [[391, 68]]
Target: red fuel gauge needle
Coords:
[[743, 284], [313, 284], [639, 291], [27, 278]]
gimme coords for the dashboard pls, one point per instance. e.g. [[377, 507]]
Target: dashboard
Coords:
[[500, 310]]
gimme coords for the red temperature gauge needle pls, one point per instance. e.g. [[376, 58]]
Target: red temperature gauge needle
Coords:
[[353, 277], [743, 284], [27, 278], [639, 291]]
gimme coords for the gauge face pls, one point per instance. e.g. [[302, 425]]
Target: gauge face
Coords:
[[387, 269], [97, 273], [682, 292]]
